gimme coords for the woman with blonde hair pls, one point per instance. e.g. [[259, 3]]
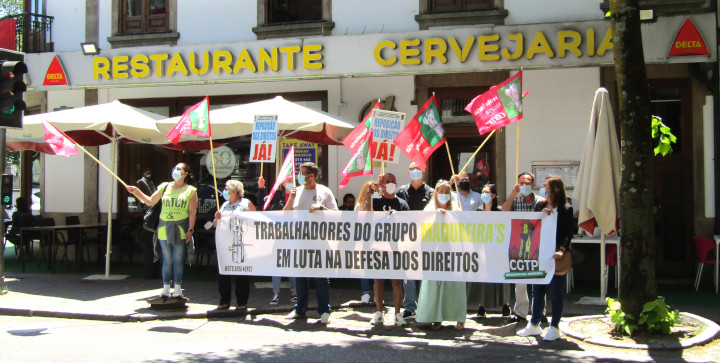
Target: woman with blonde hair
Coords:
[[364, 203], [442, 300]]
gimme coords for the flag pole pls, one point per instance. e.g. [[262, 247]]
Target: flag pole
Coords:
[[517, 150], [212, 157], [476, 151], [452, 169]]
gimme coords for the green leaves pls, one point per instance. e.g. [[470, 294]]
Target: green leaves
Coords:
[[655, 316], [665, 138], [623, 322]]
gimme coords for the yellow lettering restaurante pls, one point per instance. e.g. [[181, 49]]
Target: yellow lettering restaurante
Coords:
[[463, 232], [218, 62], [411, 52]]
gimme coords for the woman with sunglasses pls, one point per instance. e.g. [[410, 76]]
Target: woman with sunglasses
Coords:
[[176, 225]]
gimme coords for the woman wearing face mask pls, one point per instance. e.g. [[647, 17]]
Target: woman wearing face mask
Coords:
[[234, 202], [176, 225], [442, 300], [488, 295]]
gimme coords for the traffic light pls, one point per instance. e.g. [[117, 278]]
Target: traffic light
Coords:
[[12, 87], [6, 190]]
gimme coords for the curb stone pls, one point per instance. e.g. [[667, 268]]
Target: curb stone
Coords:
[[707, 333]]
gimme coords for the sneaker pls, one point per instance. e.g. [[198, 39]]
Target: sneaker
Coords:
[[481, 312], [530, 330], [506, 310], [365, 298], [408, 314], [552, 334], [294, 315], [399, 320], [325, 318], [275, 300], [293, 299], [378, 318]]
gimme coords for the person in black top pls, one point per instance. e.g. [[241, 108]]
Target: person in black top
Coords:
[[390, 203], [417, 194], [348, 202]]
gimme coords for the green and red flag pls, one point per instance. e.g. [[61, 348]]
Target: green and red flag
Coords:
[[499, 106], [287, 171], [423, 134], [356, 137], [195, 121], [60, 143], [360, 163]]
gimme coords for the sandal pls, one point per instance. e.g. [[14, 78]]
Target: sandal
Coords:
[[459, 326], [436, 326], [223, 306]]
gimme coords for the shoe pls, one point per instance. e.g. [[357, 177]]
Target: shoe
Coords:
[[399, 320], [325, 318], [517, 319], [223, 306], [543, 319], [275, 300], [459, 326], [436, 326], [481, 312], [378, 318], [552, 334], [293, 299], [506, 310], [407, 314], [294, 315], [530, 330], [365, 298]]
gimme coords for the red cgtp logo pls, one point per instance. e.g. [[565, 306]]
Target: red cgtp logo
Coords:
[[525, 245]]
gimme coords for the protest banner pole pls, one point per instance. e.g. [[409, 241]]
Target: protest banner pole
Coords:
[[212, 158], [476, 151], [517, 150], [452, 170]]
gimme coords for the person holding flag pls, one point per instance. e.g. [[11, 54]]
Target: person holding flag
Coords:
[[311, 196], [360, 163]]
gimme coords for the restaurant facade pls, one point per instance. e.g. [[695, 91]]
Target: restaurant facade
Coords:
[[341, 57]]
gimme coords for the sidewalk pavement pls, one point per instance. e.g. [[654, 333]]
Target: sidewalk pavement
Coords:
[[70, 296]]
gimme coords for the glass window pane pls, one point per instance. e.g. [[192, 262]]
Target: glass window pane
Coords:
[[290, 11], [134, 7], [157, 7]]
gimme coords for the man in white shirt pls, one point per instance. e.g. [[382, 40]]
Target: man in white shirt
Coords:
[[311, 196]]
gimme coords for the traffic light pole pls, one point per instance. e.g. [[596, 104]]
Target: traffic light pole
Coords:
[[3, 132]]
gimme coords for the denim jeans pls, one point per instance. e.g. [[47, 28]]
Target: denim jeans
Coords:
[[410, 298], [173, 262], [276, 283], [322, 291], [556, 288], [365, 286]]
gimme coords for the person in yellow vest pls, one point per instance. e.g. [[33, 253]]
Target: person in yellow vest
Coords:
[[176, 225]]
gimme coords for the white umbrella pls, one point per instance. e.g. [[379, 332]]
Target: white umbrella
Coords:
[[91, 126], [294, 120], [598, 181]]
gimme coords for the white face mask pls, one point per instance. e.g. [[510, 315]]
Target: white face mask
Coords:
[[443, 198], [376, 195], [526, 190], [543, 192], [416, 174], [289, 186], [176, 174], [390, 188], [301, 179], [486, 198]]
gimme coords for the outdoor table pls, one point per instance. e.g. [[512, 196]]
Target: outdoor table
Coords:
[[49, 234], [603, 267], [717, 261]]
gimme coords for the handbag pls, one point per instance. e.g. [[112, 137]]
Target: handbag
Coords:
[[152, 216], [563, 265]]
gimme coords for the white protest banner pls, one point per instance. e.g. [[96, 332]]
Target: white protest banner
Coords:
[[264, 138], [386, 125], [501, 247]]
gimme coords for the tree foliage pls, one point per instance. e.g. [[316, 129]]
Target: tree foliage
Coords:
[[10, 7]]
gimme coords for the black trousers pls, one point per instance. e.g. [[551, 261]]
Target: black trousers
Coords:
[[242, 289]]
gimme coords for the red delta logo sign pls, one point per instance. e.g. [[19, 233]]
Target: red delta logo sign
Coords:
[[55, 75], [688, 41]]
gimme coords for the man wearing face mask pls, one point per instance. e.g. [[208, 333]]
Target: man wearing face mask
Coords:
[[469, 199], [145, 184], [417, 194], [522, 199], [313, 197]]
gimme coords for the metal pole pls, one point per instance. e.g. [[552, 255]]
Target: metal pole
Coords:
[[110, 206]]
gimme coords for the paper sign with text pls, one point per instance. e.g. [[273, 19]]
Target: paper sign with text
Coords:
[[264, 139], [386, 125]]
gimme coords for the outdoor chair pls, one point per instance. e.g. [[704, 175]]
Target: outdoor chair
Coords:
[[611, 261], [705, 248]]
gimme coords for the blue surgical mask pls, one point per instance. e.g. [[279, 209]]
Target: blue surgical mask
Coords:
[[226, 195], [443, 198], [176, 174], [486, 198], [301, 179], [415, 174], [147, 176], [543, 192], [525, 190]]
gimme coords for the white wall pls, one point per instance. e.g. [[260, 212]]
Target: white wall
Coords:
[[225, 21], [556, 118], [68, 27], [533, 11], [709, 156], [63, 178], [364, 17]]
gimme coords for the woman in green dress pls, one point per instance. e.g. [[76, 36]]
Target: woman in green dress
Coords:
[[442, 300]]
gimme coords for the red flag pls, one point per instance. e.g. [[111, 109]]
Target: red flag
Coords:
[[195, 121], [423, 134], [499, 106], [356, 137], [287, 171], [8, 34], [360, 163], [60, 143]]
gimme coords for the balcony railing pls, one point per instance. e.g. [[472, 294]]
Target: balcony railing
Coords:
[[33, 32]]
